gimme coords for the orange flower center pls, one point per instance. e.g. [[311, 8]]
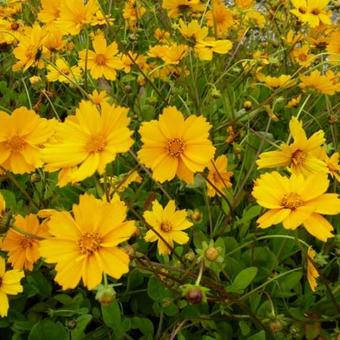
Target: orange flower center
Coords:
[[100, 59], [96, 144], [26, 242], [175, 147], [89, 243], [166, 227], [65, 71], [14, 26], [315, 11], [302, 57], [16, 143], [292, 201], [298, 157]]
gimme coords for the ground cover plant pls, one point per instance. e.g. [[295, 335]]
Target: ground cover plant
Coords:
[[169, 169]]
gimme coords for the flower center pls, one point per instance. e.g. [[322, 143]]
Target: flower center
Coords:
[[100, 59], [315, 11], [298, 157], [0, 282], [14, 26], [65, 71], [302, 57], [175, 147], [183, 7], [166, 227], [292, 201], [89, 243], [26, 242], [96, 144], [302, 10], [16, 143]]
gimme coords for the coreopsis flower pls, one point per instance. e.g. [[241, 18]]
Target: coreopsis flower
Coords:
[[333, 47], [121, 182], [10, 31], [75, 15], [220, 18], [132, 12], [326, 84], [84, 245], [23, 249], [50, 11], [162, 36], [296, 201], [178, 7], [206, 48], [99, 98], [301, 156], [294, 102], [170, 54], [9, 285], [255, 17], [311, 12], [22, 136], [244, 4], [30, 49], [173, 145], [312, 273], [54, 40], [302, 56], [292, 38], [87, 141], [218, 175], [168, 223], [193, 30], [282, 81], [332, 164], [103, 61], [63, 72]]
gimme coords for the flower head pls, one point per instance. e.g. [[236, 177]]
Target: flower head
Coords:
[[85, 245], [22, 135], [218, 175], [301, 157], [178, 7], [220, 18], [50, 11], [88, 141], [205, 48], [333, 47], [176, 146], [168, 223], [9, 285], [23, 249], [297, 201], [103, 61], [323, 83], [63, 72]]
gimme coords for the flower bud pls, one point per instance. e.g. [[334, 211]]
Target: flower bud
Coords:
[[194, 296], [247, 105], [212, 254], [105, 295]]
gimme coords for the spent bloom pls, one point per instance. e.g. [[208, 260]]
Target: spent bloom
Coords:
[[312, 273], [301, 156], [87, 141], [84, 245], [169, 223], [173, 145], [296, 201]]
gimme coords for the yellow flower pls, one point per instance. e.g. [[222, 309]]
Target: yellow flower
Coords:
[[63, 72], [122, 182], [282, 81], [255, 16], [294, 102], [295, 201], [103, 61], [174, 146], [302, 56], [99, 98], [29, 49], [301, 157], [132, 12], [9, 285], [85, 244], [178, 7], [244, 4], [312, 12], [2, 205], [326, 84], [170, 54], [332, 164], [219, 175], [193, 30], [312, 273], [50, 11], [75, 14], [87, 141], [10, 31], [205, 48], [292, 38], [220, 18], [22, 135], [169, 223], [333, 47], [161, 35], [23, 250]]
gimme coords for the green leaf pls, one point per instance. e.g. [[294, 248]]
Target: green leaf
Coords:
[[9, 198], [144, 325], [111, 315], [82, 322], [242, 280], [47, 329], [258, 336], [156, 290]]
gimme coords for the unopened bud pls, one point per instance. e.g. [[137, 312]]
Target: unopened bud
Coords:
[[211, 254]]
